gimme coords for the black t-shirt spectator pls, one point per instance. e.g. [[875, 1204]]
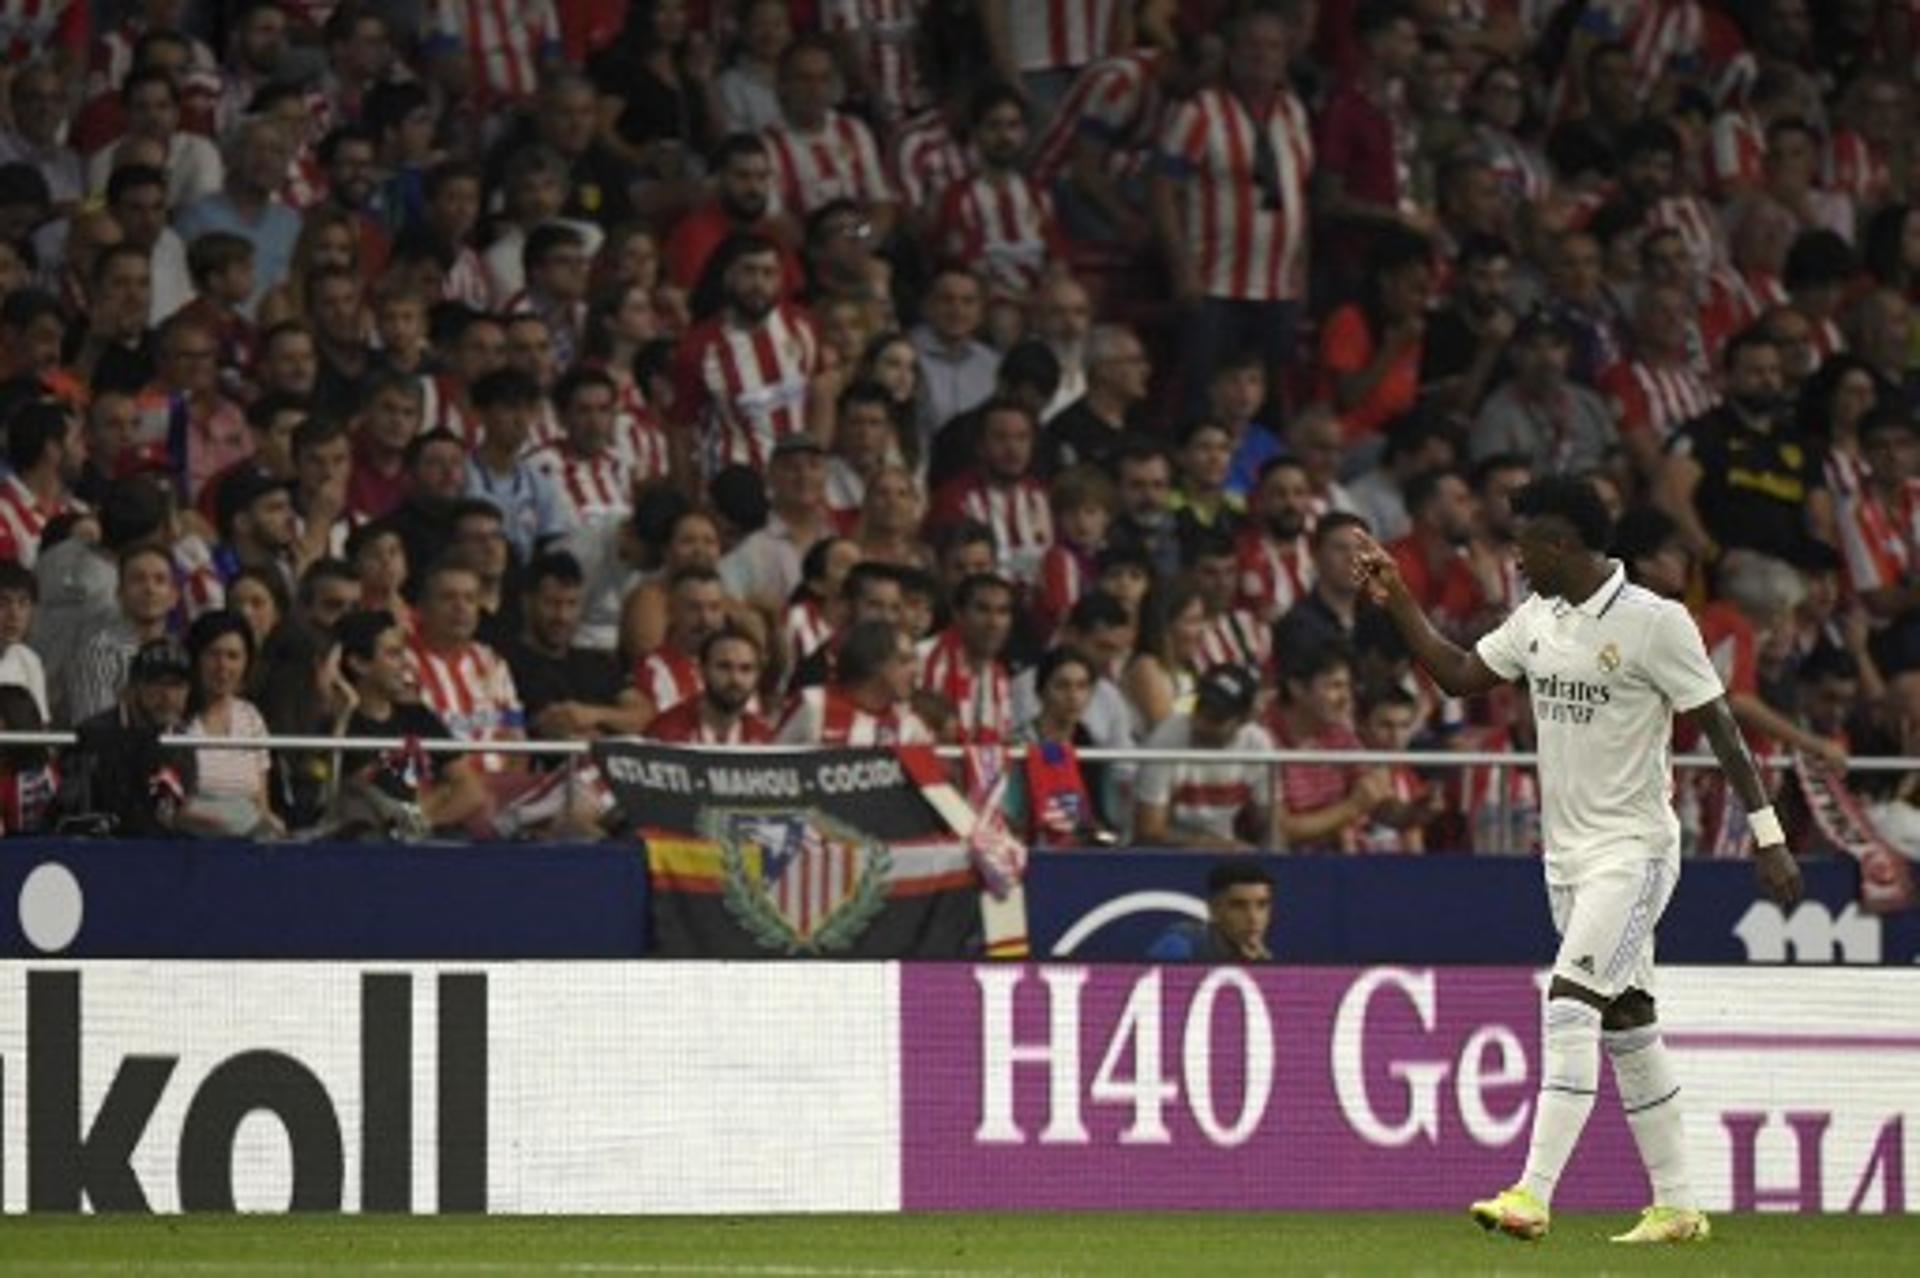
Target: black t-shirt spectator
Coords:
[[1078, 437], [1754, 483], [1449, 350], [408, 720], [591, 678], [652, 110]]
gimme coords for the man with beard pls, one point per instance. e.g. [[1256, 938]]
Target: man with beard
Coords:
[[1002, 493], [999, 217], [1432, 559], [349, 155], [1661, 387], [965, 670], [1741, 477], [46, 450], [1465, 351], [1276, 560], [742, 377], [742, 203], [696, 608], [257, 525], [722, 714], [571, 693]]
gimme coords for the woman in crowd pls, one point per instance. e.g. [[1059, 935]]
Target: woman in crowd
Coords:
[[1161, 679], [230, 794]]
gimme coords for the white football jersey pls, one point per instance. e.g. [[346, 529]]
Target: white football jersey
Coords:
[[1605, 677]]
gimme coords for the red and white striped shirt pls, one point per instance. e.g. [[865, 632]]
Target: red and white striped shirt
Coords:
[[1847, 471], [1248, 243], [23, 520], [1050, 35], [505, 40], [440, 410], [30, 28], [683, 725], [1880, 540], [198, 578], [1019, 513], [805, 628], [472, 691], [1236, 638], [828, 716], [666, 676], [1698, 227], [982, 699], [1737, 152], [742, 390], [590, 488], [837, 161], [1662, 33], [890, 29], [927, 159], [1005, 223], [1849, 165], [1657, 398], [1117, 102], [639, 438], [1061, 581], [1274, 576]]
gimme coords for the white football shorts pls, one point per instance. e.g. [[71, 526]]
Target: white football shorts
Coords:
[[1606, 922]]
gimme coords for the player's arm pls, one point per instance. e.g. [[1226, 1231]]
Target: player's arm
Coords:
[[1774, 865], [1458, 671]]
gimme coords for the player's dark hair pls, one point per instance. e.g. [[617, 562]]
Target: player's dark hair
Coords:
[[863, 574], [1242, 871], [728, 633], [1096, 610], [1315, 659], [1749, 338], [18, 579], [359, 633], [321, 571], [1572, 500], [1487, 467], [1064, 655], [1425, 486]]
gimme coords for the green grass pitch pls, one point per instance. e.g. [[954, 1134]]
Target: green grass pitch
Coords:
[[908, 1246]]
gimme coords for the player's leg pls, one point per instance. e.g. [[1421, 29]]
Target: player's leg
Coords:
[[1650, 1094], [1570, 1068]]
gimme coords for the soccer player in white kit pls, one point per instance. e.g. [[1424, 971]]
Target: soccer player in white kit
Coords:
[[1607, 664]]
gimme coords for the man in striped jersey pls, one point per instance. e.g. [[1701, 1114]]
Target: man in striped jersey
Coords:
[[696, 608], [1002, 493], [1276, 562], [463, 680], [593, 484], [45, 450], [965, 668], [722, 714], [1000, 218], [878, 41], [1040, 44], [742, 378], [821, 154], [867, 702], [1230, 206], [1096, 155], [1659, 389]]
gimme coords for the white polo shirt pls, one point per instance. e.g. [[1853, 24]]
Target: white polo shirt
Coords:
[[1605, 677]]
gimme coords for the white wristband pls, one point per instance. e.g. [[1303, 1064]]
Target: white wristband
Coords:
[[1766, 828]]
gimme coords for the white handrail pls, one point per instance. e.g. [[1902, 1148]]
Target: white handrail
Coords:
[[1128, 754]]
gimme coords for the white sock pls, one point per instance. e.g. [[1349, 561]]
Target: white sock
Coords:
[[1569, 1077], [1650, 1094]]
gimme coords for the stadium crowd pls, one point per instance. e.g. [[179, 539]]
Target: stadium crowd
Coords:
[[856, 371]]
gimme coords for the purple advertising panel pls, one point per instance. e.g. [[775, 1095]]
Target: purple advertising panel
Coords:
[[1070, 1087]]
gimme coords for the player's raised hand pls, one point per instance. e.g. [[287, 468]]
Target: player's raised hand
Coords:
[[1779, 874], [1376, 573]]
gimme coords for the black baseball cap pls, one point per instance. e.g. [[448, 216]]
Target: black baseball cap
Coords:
[[239, 490], [160, 660], [1227, 692]]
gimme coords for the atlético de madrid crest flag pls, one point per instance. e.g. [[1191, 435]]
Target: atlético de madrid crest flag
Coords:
[[819, 853]]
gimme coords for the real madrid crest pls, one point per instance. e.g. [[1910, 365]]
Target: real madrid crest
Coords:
[[1610, 658]]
